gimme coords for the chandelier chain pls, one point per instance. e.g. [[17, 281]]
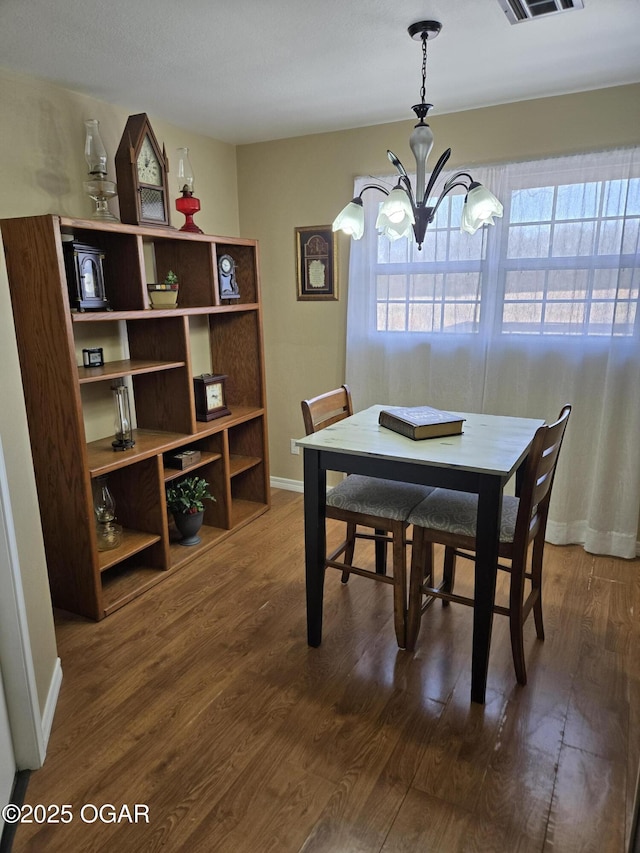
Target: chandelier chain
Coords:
[[423, 90]]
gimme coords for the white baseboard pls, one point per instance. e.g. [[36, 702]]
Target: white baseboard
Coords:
[[288, 485], [51, 703]]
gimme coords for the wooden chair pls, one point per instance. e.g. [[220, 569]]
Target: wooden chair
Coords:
[[449, 518], [380, 505]]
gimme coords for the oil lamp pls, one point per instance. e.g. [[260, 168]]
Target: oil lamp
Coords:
[[187, 203], [98, 187], [108, 532], [124, 432]]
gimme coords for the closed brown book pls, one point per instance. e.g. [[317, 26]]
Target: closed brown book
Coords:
[[419, 422]]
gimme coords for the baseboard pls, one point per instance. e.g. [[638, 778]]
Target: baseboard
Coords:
[[51, 703], [288, 485]]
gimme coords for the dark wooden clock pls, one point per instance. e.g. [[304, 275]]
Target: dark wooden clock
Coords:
[[210, 396], [141, 173]]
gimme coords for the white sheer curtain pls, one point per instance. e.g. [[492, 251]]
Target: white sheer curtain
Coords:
[[521, 318]]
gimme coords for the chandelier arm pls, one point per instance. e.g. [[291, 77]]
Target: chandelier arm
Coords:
[[436, 172], [373, 187], [445, 192], [459, 175]]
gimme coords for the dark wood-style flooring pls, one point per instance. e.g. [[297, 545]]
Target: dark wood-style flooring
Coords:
[[202, 701]]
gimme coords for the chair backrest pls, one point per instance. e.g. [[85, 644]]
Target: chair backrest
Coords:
[[540, 470], [326, 409]]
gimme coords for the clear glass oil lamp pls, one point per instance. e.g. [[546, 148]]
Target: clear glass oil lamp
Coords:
[[108, 532], [123, 429], [98, 187]]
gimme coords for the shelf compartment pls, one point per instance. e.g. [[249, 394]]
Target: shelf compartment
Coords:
[[205, 459], [133, 541], [123, 266], [245, 258], [164, 401], [243, 511], [238, 464], [236, 350], [127, 581], [124, 367], [180, 554], [192, 262]]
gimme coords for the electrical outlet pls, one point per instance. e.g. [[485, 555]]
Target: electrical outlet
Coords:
[[294, 448]]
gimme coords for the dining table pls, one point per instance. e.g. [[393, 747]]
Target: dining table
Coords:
[[490, 452]]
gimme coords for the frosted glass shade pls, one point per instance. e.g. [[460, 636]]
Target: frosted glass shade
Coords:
[[480, 206], [396, 217], [350, 220]]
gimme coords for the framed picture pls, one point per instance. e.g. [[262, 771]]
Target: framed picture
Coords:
[[316, 263]]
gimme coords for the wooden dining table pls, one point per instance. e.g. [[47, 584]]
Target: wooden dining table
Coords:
[[483, 459]]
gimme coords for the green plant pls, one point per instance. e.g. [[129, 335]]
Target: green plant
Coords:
[[186, 496], [171, 280]]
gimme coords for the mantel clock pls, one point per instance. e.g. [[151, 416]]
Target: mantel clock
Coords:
[[141, 171]]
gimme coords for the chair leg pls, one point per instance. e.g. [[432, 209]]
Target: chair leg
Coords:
[[349, 550], [516, 622], [399, 534], [381, 553], [536, 584], [421, 565], [449, 572]]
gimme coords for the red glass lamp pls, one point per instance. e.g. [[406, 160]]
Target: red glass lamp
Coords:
[[187, 203]]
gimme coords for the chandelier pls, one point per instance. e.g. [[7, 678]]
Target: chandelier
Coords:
[[404, 210]]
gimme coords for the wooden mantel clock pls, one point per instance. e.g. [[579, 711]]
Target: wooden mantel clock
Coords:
[[141, 173]]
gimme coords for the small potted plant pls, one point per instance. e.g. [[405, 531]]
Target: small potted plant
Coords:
[[164, 295], [185, 500]]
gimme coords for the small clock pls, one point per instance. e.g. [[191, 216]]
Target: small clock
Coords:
[[210, 398], [227, 278], [141, 170], [85, 277]]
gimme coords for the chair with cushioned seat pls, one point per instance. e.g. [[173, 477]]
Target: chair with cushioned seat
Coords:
[[448, 518], [380, 505]]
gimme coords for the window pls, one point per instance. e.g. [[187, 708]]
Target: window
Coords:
[[563, 261]]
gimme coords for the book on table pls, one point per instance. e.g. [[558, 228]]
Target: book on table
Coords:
[[419, 422]]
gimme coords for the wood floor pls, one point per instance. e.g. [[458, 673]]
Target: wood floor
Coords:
[[202, 701]]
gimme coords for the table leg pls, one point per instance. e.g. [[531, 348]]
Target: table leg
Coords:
[[315, 492], [486, 569]]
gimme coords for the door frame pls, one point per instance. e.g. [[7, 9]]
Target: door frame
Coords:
[[16, 658]]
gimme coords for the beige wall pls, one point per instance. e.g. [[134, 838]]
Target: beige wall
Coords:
[[41, 171], [306, 181]]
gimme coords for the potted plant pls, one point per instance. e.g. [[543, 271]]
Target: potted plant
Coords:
[[164, 295], [185, 500]]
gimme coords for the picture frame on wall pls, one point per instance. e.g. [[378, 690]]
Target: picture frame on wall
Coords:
[[316, 263]]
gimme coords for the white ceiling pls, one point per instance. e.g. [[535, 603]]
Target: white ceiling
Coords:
[[252, 70]]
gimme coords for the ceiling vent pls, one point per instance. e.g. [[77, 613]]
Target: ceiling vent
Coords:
[[519, 11]]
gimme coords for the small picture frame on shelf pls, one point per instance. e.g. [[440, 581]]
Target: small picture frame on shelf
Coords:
[[316, 268], [93, 357]]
